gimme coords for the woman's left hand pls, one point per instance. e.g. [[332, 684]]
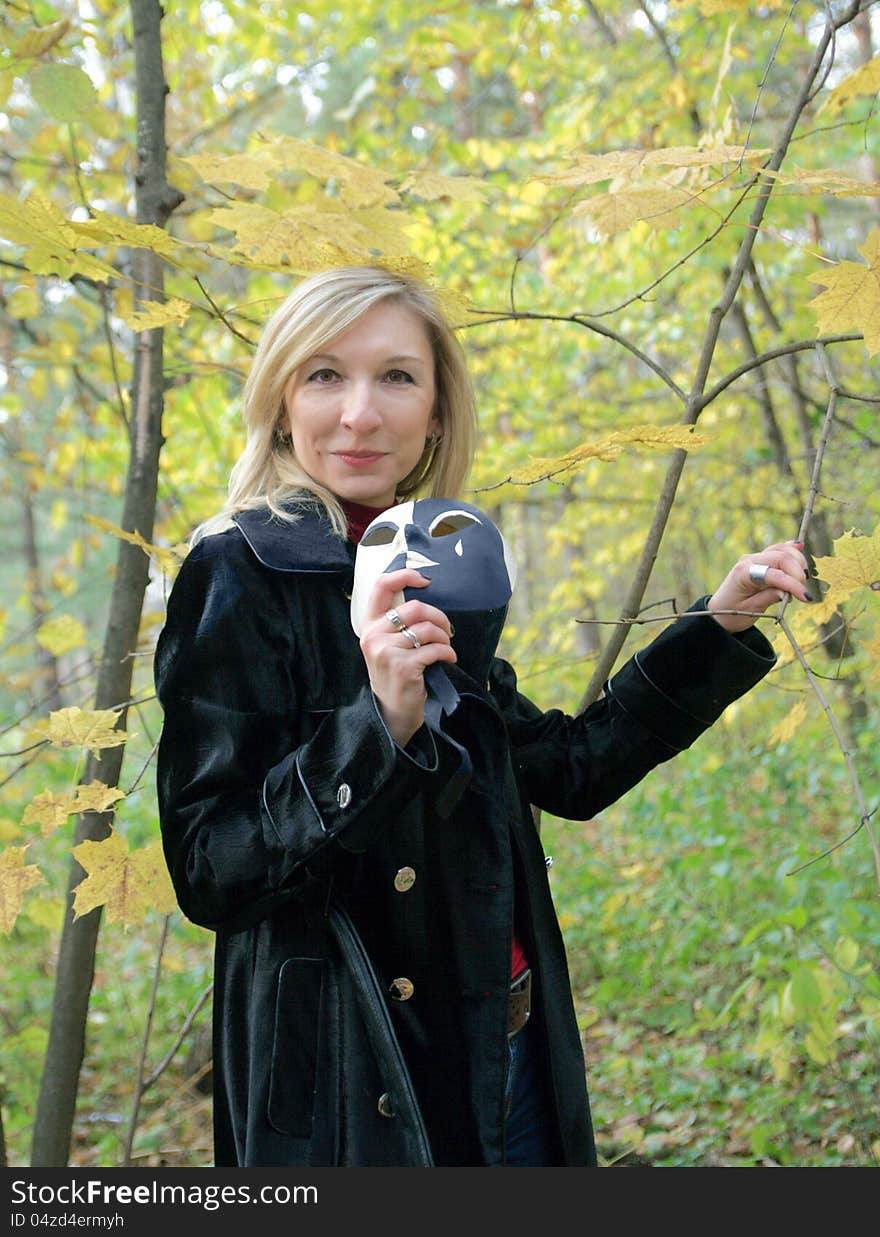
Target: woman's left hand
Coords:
[[787, 572]]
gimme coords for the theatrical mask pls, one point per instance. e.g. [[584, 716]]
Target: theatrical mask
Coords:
[[459, 549]]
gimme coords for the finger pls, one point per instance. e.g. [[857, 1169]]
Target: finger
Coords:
[[400, 658], [414, 611], [388, 587], [428, 633], [777, 580]]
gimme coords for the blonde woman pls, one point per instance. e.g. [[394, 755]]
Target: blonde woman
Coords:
[[391, 983]]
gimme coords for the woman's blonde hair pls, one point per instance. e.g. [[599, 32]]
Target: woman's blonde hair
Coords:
[[320, 308]]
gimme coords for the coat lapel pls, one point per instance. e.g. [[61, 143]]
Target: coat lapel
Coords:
[[309, 544]]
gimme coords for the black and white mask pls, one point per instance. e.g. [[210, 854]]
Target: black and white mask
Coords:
[[459, 549], [455, 545]]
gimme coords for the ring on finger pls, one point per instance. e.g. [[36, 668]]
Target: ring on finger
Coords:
[[395, 620], [758, 572], [410, 635]]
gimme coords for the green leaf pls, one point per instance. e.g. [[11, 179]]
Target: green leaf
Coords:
[[806, 996], [64, 91], [846, 953]]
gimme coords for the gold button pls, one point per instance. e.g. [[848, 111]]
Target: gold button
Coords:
[[401, 989], [343, 795], [384, 1105], [405, 879]]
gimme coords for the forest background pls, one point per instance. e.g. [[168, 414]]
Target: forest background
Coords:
[[656, 226]]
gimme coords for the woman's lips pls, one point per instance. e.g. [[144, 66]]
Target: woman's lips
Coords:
[[359, 459]]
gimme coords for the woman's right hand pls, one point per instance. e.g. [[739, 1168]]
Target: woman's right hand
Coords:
[[394, 663]]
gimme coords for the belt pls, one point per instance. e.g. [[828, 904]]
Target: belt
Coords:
[[520, 1003]]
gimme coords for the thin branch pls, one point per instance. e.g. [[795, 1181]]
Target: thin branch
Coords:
[[707, 240], [823, 442], [175, 1047], [221, 315], [591, 325], [864, 814], [638, 620], [771, 355], [139, 1078], [694, 403], [24, 750], [20, 768], [144, 767], [766, 74]]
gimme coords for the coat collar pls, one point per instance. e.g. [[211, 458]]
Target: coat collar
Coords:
[[308, 545]]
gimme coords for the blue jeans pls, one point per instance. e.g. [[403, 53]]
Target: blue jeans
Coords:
[[529, 1141]]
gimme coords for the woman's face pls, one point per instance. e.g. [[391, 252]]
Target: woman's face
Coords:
[[359, 410]]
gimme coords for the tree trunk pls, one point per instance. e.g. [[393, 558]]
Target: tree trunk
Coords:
[[75, 970]]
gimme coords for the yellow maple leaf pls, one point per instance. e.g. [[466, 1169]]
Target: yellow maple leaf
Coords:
[[105, 228], [249, 171], [92, 729], [431, 186], [613, 213], [609, 448], [825, 180], [788, 726], [864, 81], [590, 169], [34, 42], [48, 810], [302, 240], [851, 300], [50, 241], [855, 564], [96, 797], [127, 883], [158, 313], [358, 184], [168, 557], [61, 634], [23, 222], [15, 880]]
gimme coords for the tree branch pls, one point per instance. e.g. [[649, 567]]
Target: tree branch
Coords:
[[695, 400]]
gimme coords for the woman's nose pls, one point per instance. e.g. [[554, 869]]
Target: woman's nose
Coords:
[[359, 408]]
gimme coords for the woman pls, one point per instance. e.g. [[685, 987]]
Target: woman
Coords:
[[391, 984]]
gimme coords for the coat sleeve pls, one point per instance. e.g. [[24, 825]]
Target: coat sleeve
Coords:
[[656, 705], [256, 801]]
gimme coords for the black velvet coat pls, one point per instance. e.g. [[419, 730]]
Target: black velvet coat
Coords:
[[288, 815]]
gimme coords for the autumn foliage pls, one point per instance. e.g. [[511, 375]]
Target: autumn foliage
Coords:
[[655, 227]]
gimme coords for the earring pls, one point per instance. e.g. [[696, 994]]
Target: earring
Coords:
[[281, 435]]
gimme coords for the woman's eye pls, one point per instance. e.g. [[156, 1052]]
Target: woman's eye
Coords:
[[322, 375], [398, 375]]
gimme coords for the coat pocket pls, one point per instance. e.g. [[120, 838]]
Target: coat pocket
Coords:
[[295, 1046]]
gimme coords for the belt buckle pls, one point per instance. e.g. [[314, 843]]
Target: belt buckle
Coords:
[[519, 1003]]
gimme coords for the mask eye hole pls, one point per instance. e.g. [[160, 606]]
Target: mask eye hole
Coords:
[[382, 534], [451, 522]]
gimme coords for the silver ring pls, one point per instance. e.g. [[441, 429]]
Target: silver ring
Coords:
[[411, 636], [395, 620], [758, 572]]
